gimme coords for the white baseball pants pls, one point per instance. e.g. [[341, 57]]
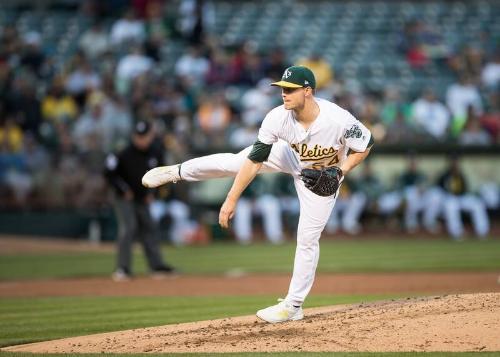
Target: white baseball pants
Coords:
[[347, 213], [450, 206], [454, 205], [314, 210]]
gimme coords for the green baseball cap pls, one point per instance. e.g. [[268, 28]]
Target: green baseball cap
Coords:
[[297, 77]]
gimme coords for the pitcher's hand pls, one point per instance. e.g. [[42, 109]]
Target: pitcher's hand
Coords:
[[226, 212]]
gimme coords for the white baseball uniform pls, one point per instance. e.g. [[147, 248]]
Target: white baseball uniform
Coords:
[[325, 143]]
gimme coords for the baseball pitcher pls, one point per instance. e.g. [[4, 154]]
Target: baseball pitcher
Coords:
[[312, 139]]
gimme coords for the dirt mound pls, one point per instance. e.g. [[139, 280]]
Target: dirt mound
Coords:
[[442, 323]]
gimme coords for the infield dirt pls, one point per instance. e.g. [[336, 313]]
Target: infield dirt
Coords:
[[467, 322]]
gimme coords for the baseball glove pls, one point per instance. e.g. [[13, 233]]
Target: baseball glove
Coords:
[[324, 182]]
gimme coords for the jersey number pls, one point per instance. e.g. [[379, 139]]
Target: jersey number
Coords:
[[320, 165]]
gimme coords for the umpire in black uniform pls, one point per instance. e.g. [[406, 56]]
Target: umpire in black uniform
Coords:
[[124, 172]]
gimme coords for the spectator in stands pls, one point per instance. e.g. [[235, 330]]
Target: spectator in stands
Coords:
[[243, 136], [128, 29], [421, 44], [469, 60], [417, 57], [82, 80], [160, 27], [431, 116], [6, 77], [432, 42], [473, 133], [37, 164], [218, 68], [196, 20], [459, 96], [94, 41], [407, 38], [32, 55], [166, 103], [160, 21], [130, 67], [256, 102], [11, 43], [253, 70], [15, 180], [491, 119], [490, 74], [139, 95], [321, 68], [213, 117], [457, 198], [237, 62], [132, 201], [24, 103], [95, 125], [256, 200], [58, 106], [274, 63], [11, 135], [93, 189], [409, 44], [392, 106], [121, 118], [246, 67], [192, 67], [400, 131], [69, 174], [369, 116]]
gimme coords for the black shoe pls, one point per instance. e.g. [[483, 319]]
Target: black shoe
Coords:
[[164, 271]]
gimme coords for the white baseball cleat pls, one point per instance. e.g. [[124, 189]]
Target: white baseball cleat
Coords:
[[161, 175], [281, 312]]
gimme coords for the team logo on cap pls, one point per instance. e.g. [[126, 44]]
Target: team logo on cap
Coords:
[[287, 74]]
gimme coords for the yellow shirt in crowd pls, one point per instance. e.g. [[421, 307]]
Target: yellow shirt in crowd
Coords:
[[59, 108], [321, 69], [13, 135]]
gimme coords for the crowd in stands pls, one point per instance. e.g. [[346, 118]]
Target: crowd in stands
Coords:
[[58, 121]]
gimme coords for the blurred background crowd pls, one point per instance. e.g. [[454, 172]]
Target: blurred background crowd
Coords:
[[422, 75]]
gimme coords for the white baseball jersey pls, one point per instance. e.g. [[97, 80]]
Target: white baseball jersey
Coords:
[[326, 142]]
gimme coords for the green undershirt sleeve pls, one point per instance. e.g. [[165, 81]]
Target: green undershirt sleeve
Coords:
[[371, 142], [260, 151]]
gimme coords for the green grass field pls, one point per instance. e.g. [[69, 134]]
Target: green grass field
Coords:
[[336, 256], [24, 320]]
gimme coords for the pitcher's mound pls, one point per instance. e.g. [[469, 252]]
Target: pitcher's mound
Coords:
[[442, 323]]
